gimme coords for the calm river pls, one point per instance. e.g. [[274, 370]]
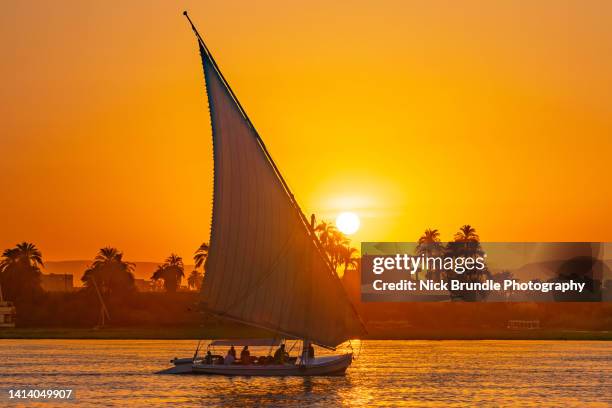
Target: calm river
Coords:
[[386, 373]]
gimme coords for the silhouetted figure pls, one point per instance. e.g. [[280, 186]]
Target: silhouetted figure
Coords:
[[311, 353], [232, 351], [245, 355], [280, 355], [208, 359], [229, 358]]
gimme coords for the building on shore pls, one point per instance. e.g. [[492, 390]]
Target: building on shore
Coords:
[[523, 324], [8, 313], [143, 285], [57, 282]]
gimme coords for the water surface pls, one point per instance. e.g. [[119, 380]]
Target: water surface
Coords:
[[386, 373]]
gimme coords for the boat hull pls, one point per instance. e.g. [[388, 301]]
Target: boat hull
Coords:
[[181, 366], [321, 366]]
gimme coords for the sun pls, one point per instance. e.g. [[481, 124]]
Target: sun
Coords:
[[348, 222]]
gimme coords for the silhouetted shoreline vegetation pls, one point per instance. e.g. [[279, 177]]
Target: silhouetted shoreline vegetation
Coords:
[[170, 313], [219, 332]]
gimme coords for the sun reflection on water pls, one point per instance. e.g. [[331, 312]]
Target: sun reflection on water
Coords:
[[386, 373]]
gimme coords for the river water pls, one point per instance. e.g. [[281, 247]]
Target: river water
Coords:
[[386, 373]]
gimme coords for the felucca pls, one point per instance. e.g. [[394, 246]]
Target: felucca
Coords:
[[266, 267]]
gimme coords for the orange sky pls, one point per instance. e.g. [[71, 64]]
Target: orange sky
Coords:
[[412, 114]]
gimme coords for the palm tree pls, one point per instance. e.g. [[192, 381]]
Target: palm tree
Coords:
[[201, 255], [20, 271], [325, 232], [110, 273], [171, 272], [466, 244], [350, 257], [195, 280], [467, 233], [336, 246], [24, 252], [430, 236], [429, 244]]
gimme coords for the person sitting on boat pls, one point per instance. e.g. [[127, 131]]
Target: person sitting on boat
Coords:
[[209, 358], [232, 351], [229, 358], [245, 355], [280, 355]]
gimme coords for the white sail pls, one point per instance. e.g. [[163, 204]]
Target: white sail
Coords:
[[264, 267]]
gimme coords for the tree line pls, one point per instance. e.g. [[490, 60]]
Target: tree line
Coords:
[[109, 273], [112, 275]]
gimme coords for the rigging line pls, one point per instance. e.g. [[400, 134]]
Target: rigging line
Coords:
[[197, 350], [301, 215], [291, 348]]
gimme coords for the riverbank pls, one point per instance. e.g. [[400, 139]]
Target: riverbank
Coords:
[[121, 333], [188, 333]]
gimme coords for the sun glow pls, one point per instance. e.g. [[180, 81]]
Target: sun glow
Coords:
[[348, 222]]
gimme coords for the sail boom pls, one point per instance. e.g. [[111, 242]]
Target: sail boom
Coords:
[[271, 329]]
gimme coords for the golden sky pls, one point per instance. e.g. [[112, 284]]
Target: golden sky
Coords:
[[412, 114]]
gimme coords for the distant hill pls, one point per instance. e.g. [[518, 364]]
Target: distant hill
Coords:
[[143, 270], [546, 270]]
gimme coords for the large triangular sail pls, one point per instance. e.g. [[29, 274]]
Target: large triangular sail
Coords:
[[265, 267]]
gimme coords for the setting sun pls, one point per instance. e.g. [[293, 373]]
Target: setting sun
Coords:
[[348, 222]]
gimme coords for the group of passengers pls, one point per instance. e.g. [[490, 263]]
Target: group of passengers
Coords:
[[281, 356]]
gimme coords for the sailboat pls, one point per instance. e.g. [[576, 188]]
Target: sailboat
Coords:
[[266, 267]]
